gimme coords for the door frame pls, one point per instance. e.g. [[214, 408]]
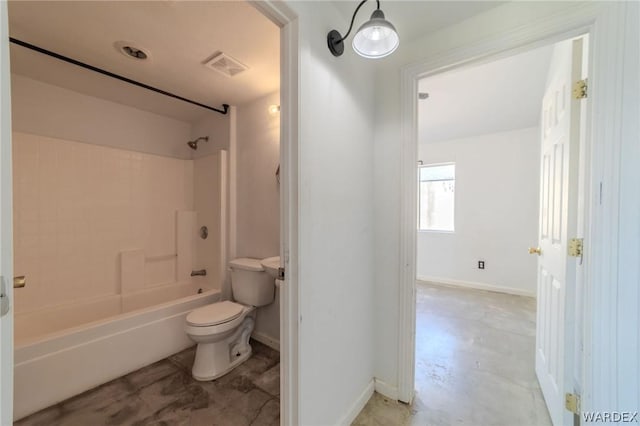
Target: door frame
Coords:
[[6, 218], [604, 24], [281, 15]]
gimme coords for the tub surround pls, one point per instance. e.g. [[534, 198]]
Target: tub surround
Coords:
[[210, 184], [77, 206], [122, 221], [91, 194]]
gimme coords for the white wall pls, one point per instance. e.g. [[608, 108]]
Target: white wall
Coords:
[[496, 213], [335, 221], [217, 127], [43, 109], [258, 196], [387, 152]]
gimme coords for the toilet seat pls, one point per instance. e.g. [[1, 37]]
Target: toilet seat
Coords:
[[215, 314]]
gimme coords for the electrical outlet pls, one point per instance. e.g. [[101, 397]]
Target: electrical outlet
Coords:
[[480, 264]]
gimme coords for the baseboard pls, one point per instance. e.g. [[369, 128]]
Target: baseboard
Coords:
[[266, 340], [476, 285], [385, 389], [358, 405]]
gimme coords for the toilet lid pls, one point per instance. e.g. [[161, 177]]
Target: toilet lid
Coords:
[[216, 313]]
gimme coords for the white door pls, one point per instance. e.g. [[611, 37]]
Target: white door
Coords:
[[560, 124], [6, 242]]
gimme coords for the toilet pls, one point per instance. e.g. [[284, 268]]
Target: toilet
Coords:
[[222, 329]]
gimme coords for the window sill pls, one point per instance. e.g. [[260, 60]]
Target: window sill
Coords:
[[435, 231]]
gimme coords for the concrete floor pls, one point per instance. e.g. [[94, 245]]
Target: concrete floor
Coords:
[[164, 393], [474, 363]]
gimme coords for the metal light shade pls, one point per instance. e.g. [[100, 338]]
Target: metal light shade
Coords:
[[376, 38]]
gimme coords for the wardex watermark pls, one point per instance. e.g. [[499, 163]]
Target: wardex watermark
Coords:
[[611, 417]]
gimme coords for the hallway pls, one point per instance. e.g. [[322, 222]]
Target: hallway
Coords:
[[474, 362]]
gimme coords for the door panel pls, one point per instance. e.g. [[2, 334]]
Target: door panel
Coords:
[[558, 213]]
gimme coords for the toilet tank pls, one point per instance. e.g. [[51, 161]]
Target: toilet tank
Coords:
[[250, 284]]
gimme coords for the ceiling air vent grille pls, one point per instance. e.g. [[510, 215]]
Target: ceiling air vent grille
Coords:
[[226, 65]]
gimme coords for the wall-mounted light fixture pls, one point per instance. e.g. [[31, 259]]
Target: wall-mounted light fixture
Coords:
[[376, 38]]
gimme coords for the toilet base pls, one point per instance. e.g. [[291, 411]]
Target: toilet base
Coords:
[[214, 360], [218, 374]]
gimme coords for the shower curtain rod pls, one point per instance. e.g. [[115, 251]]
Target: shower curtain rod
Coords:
[[224, 110]]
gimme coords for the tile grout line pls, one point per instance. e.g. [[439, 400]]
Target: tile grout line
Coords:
[[261, 408]]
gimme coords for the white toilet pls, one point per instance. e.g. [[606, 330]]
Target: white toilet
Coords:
[[222, 329]]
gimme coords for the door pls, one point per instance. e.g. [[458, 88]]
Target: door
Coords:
[[558, 223], [6, 243]]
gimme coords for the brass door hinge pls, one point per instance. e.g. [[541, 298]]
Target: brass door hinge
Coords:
[[580, 89], [572, 402], [19, 282], [575, 247]]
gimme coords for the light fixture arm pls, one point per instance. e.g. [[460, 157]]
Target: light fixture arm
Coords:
[[353, 18]]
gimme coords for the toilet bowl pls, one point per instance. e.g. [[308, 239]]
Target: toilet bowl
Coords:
[[222, 329]]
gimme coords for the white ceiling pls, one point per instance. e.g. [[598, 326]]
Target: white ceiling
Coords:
[[493, 97], [418, 17], [179, 35]]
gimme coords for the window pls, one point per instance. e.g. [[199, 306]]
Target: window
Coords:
[[436, 195]]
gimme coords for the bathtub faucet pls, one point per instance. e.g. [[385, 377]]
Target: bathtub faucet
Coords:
[[201, 272]]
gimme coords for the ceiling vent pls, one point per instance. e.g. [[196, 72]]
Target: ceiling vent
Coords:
[[226, 65]]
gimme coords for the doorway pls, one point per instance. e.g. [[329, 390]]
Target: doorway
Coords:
[[606, 151], [478, 191], [477, 195], [282, 17]]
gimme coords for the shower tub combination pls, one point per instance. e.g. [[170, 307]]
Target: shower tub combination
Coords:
[[66, 350], [130, 231]]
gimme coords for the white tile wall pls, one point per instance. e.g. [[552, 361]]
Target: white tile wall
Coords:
[[77, 206], [208, 199], [186, 234], [131, 270]]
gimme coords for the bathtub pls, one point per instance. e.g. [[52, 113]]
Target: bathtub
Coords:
[[67, 350]]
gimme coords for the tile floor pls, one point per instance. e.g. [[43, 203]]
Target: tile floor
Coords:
[[164, 393], [474, 363]]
